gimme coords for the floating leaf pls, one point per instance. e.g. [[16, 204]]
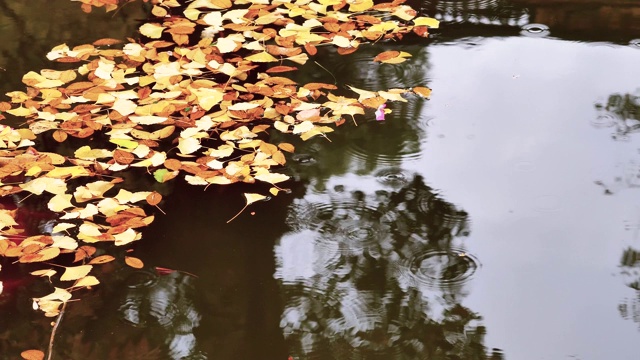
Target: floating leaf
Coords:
[[76, 272], [151, 30], [261, 57], [154, 198], [86, 281], [32, 355], [134, 262], [422, 91], [102, 259], [250, 199]]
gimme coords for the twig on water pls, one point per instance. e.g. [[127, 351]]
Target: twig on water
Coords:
[[53, 331]]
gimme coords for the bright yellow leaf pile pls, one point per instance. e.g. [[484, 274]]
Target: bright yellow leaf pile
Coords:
[[194, 98]]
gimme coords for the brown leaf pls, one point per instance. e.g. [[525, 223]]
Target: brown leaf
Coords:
[[172, 164], [154, 198], [107, 42], [421, 31], [386, 55], [43, 255], [317, 86], [133, 262], [282, 68], [123, 157], [101, 259]]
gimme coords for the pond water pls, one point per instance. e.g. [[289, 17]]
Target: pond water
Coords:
[[498, 220]]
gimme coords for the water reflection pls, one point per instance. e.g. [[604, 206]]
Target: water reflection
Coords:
[[621, 111], [629, 308], [377, 271]]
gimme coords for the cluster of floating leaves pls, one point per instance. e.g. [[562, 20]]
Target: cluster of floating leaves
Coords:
[[177, 106]]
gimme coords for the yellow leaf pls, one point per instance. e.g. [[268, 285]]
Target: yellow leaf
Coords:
[[60, 202], [125, 196], [124, 106], [253, 197], [426, 21], [243, 106], [126, 237], [86, 153], [39, 185], [90, 230], [68, 171], [188, 145], [47, 84], [272, 178], [261, 57], [147, 119], [86, 281], [360, 5], [226, 45], [151, 30], [391, 96], [76, 272], [207, 98], [302, 127], [64, 242], [21, 111], [341, 41], [46, 272], [192, 14], [6, 220], [129, 144]]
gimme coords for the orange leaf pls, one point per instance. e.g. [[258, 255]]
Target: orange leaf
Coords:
[[278, 69], [386, 55], [422, 91], [101, 259], [106, 42], [32, 355], [59, 135], [154, 198], [123, 157], [133, 262], [311, 49]]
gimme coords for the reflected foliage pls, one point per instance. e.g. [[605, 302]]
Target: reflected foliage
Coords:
[[622, 112], [378, 273], [629, 308]]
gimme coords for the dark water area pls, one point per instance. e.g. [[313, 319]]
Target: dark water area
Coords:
[[498, 220]]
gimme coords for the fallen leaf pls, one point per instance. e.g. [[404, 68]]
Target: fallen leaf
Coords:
[[134, 262]]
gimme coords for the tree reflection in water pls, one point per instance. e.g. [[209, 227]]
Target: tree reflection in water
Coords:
[[378, 275], [630, 268], [622, 112]]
